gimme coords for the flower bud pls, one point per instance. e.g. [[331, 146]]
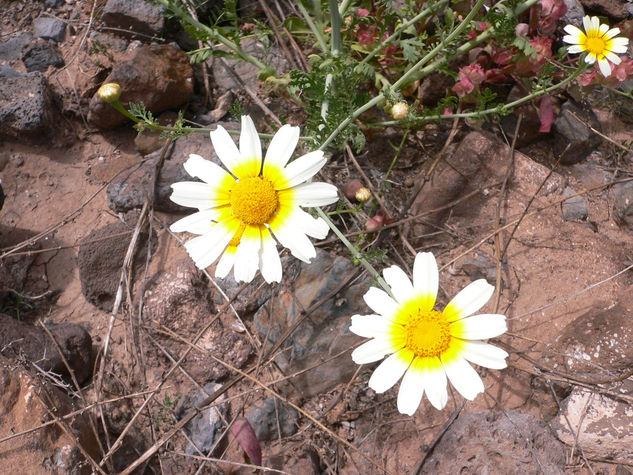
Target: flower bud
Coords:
[[109, 92], [362, 194], [373, 223], [400, 111]]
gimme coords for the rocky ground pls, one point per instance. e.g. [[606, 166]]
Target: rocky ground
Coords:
[[110, 337]]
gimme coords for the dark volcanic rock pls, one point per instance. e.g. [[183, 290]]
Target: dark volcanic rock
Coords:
[[623, 207], [135, 16], [25, 108], [264, 417], [573, 140], [100, 260], [22, 339], [204, 429], [614, 9], [574, 209], [49, 28], [497, 442], [14, 47], [39, 56], [158, 76]]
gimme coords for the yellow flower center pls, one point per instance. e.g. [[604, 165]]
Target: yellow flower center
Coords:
[[254, 200], [595, 45], [427, 333]]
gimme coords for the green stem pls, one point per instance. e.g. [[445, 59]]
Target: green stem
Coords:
[[344, 6], [315, 31], [355, 252], [335, 23], [213, 33]]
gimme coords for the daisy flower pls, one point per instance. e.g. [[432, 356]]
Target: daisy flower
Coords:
[[240, 212], [425, 345], [598, 41]]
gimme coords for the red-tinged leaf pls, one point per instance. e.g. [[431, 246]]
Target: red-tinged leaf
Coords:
[[546, 114], [245, 436]]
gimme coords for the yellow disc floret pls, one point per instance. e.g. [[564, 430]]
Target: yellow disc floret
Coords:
[[595, 44], [254, 200], [427, 334]]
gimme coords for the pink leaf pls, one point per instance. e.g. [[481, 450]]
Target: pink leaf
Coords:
[[546, 114], [245, 436]]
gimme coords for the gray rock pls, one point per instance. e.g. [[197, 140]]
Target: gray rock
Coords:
[[264, 417], [49, 28], [602, 426], [137, 77], [480, 266], [574, 14], [25, 108], [247, 72], [13, 48], [39, 56], [325, 333], [18, 339], [573, 140], [137, 16], [497, 442], [205, 428], [574, 209], [8, 72]]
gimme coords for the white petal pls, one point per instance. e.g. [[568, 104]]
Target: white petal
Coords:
[[619, 45], [295, 240], [250, 145], [225, 264], [411, 391], [435, 384], [370, 326], [282, 147], [426, 278], [380, 302], [225, 148], [196, 195], [483, 354], [604, 28], [590, 59], [595, 23], [400, 284], [205, 249], [479, 327], [614, 58], [313, 227], [575, 49], [371, 351], [206, 170], [464, 378], [303, 168], [574, 32], [390, 371], [247, 255], [314, 194], [605, 68], [269, 262], [469, 300], [612, 32], [200, 222]]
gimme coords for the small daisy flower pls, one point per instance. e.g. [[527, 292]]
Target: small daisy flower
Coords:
[[598, 41], [240, 212], [425, 345]]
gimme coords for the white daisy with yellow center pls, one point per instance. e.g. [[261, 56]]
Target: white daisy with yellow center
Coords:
[[425, 345], [239, 212], [598, 41]]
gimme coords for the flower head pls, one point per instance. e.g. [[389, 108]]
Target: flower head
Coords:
[[240, 212], [598, 41], [109, 92], [425, 345]]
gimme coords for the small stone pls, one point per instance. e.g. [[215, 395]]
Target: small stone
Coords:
[[623, 207], [574, 209], [203, 429], [480, 266], [49, 28], [14, 47], [16, 160], [573, 140], [264, 417], [40, 56], [134, 16]]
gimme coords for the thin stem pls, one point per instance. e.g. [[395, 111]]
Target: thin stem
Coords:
[[335, 23], [184, 16], [315, 31], [355, 252]]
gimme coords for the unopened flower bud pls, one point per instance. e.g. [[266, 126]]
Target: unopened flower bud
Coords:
[[400, 111], [373, 223], [109, 92], [362, 194]]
